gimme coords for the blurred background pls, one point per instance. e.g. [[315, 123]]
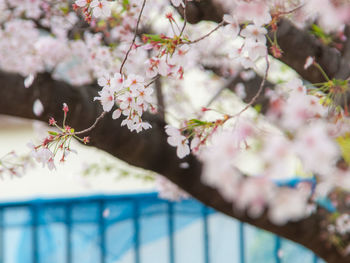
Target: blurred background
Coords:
[[98, 209]]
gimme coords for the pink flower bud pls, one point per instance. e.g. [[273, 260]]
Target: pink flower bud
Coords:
[[65, 108], [52, 121], [86, 140]]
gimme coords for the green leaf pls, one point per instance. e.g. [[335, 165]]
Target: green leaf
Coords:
[[318, 32], [65, 9], [101, 23], [154, 38], [52, 133], [125, 4], [344, 144], [197, 122], [258, 108]]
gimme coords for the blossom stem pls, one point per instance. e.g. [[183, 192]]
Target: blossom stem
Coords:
[[206, 35], [64, 119], [258, 93], [318, 66], [135, 34], [185, 18], [93, 125]]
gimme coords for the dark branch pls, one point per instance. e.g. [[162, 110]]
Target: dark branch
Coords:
[[295, 43], [148, 150], [298, 44]]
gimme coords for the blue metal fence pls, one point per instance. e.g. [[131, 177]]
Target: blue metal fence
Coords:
[[137, 228]]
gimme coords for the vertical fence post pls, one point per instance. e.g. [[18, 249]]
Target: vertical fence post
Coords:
[[241, 242], [34, 226], [171, 232], [206, 235], [68, 233], [2, 227], [137, 232], [102, 231], [277, 249]]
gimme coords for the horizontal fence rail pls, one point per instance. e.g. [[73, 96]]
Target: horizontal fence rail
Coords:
[[134, 228]]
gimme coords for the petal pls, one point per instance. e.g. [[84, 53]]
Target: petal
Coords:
[[172, 131], [38, 107], [228, 19], [182, 150], [107, 106], [116, 114], [97, 12], [173, 141], [28, 81]]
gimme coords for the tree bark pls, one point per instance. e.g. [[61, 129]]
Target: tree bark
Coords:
[[148, 149], [296, 44]]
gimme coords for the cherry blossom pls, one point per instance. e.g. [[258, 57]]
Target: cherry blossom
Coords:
[[317, 149], [42, 155], [132, 97], [178, 3], [301, 132], [343, 224], [177, 140], [256, 11], [288, 205], [232, 28], [107, 98], [38, 107], [28, 81], [308, 62], [254, 33], [169, 190], [100, 8], [82, 3]]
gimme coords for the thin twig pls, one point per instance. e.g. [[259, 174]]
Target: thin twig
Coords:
[[250, 103], [152, 81], [93, 125], [218, 93], [185, 18], [135, 34], [291, 11], [208, 34]]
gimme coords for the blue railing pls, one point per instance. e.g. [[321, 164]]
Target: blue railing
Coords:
[[136, 228]]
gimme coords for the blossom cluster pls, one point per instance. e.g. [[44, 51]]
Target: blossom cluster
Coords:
[[169, 190], [255, 193], [13, 164], [132, 96], [305, 143], [303, 133], [57, 141], [342, 225], [98, 8], [177, 140]]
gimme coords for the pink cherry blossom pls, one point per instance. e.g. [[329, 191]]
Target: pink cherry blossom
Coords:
[[254, 33], [100, 8], [81, 3], [38, 107], [177, 140], [107, 98]]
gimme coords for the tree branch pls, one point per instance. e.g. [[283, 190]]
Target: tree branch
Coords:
[[297, 44], [252, 86], [148, 150]]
